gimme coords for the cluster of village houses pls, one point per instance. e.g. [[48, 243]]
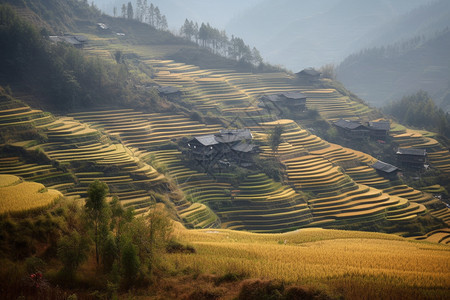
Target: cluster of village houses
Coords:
[[235, 147]]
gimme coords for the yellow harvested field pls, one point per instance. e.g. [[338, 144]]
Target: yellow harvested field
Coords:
[[7, 180], [26, 196], [360, 265]]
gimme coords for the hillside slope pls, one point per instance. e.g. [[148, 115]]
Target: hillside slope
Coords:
[[383, 74]]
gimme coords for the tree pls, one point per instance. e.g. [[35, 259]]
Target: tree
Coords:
[[139, 10], [163, 25], [118, 56], [328, 71], [130, 263], [124, 11], [150, 235], [157, 17], [151, 15], [144, 11], [257, 59], [95, 207], [130, 13], [115, 11], [274, 138], [72, 251]]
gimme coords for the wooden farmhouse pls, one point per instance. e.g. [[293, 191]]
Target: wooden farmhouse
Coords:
[[379, 129], [411, 157], [293, 100], [351, 129], [386, 170], [224, 148], [309, 75], [78, 41], [168, 91]]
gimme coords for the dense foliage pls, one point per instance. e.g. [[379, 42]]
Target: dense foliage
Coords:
[[61, 243], [419, 110], [58, 72]]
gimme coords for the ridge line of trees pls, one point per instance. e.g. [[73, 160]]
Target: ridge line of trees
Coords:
[[144, 13], [218, 42]]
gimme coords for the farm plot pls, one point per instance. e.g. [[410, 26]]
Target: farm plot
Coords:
[[14, 113], [333, 106], [145, 131], [438, 155], [197, 187], [258, 204], [18, 196], [262, 205], [436, 236], [367, 176], [45, 174]]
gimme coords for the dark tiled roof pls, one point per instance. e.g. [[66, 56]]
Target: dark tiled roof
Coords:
[[273, 98], [233, 135], [294, 95], [411, 151], [168, 90], [244, 147], [346, 124], [282, 96], [81, 38], [385, 167], [206, 140], [65, 38], [382, 125], [310, 72]]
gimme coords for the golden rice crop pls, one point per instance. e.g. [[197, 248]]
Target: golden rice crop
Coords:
[[26, 196], [320, 256], [7, 180]]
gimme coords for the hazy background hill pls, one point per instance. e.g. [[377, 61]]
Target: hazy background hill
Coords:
[[295, 34], [217, 13], [417, 57], [300, 34]]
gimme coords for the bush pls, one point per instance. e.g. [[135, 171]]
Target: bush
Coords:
[[176, 247], [261, 290]]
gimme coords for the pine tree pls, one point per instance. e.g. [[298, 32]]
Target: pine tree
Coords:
[[124, 11], [130, 13]]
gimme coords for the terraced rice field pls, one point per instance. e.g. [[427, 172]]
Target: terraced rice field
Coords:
[[438, 155], [333, 106], [338, 197], [81, 148], [144, 131], [258, 204], [230, 93], [45, 174], [197, 186], [367, 176], [437, 236], [262, 205], [17, 196]]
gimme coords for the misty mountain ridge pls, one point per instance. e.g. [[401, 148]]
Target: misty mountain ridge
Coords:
[[384, 74], [314, 34], [418, 60]]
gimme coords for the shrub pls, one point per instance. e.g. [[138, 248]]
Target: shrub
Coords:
[[261, 290], [176, 247]]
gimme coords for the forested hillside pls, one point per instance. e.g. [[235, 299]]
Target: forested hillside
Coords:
[[300, 34], [387, 73]]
